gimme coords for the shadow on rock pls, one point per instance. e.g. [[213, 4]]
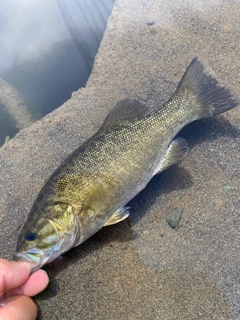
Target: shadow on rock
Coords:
[[175, 178], [208, 130], [120, 232]]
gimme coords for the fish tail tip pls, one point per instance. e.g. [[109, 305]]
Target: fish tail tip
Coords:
[[211, 97]]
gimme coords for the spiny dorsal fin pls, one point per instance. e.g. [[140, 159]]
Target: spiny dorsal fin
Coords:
[[121, 214], [177, 150], [126, 109]]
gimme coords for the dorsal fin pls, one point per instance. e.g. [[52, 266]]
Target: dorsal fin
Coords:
[[127, 109]]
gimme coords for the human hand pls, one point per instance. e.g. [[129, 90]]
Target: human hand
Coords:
[[16, 288]]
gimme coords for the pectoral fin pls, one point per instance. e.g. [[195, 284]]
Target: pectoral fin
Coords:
[[121, 214], [177, 150]]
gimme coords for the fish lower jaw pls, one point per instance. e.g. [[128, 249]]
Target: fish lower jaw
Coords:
[[36, 261], [19, 256]]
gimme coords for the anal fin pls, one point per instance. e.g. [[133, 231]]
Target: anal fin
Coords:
[[119, 215], [177, 150]]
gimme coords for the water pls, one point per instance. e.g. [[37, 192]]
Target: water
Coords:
[[47, 52]]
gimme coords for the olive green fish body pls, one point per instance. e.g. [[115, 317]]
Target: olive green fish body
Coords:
[[93, 185]]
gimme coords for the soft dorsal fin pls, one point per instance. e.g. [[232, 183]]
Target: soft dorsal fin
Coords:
[[126, 109]]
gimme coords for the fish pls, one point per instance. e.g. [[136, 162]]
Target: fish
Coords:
[[92, 187]]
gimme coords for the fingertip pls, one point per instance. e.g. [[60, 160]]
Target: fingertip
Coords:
[[16, 264], [41, 276], [13, 273], [36, 283]]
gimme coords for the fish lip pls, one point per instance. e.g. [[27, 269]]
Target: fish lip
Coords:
[[19, 256], [29, 257]]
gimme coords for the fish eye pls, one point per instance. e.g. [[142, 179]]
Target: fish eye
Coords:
[[30, 235]]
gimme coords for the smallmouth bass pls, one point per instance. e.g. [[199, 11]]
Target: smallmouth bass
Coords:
[[91, 188]]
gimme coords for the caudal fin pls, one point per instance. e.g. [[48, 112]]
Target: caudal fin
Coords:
[[204, 93]]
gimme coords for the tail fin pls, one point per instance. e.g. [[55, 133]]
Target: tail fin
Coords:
[[205, 92]]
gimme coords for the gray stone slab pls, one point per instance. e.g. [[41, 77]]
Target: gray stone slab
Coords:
[[142, 268]]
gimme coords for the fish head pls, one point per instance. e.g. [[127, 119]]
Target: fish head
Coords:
[[46, 234]]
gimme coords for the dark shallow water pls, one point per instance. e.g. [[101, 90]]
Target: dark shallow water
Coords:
[[47, 52]]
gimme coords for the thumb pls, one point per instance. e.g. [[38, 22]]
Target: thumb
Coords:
[[18, 308]]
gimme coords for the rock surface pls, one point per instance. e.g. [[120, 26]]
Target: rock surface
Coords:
[[142, 268]]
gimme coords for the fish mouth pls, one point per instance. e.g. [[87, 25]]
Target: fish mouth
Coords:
[[34, 258], [19, 256]]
